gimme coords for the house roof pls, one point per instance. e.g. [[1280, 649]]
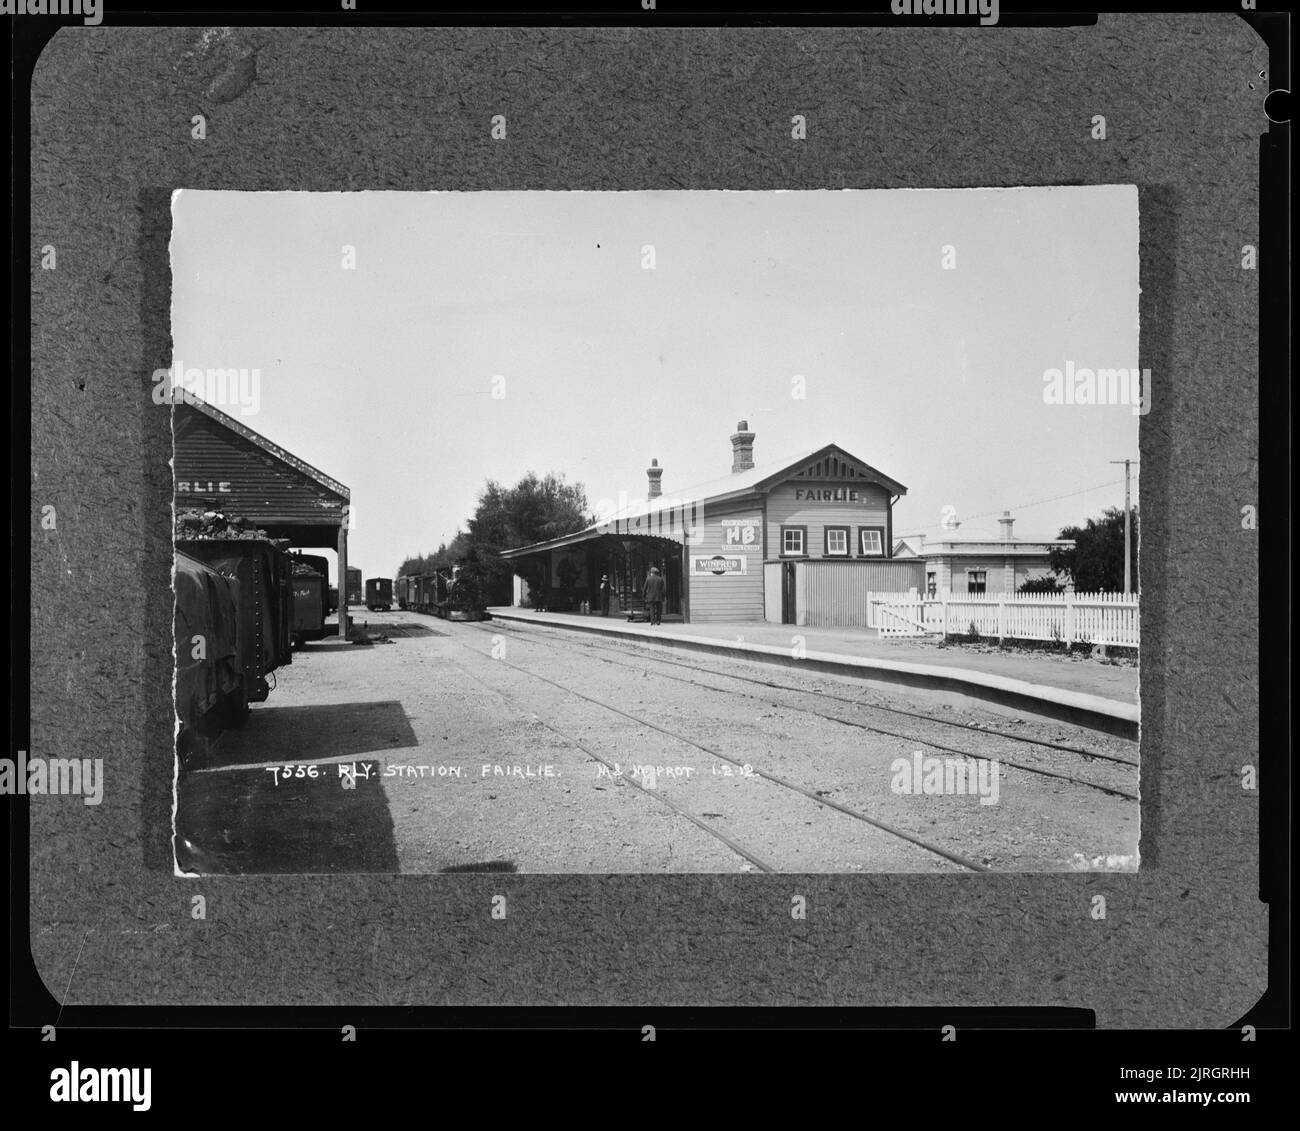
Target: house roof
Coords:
[[975, 544], [909, 546], [667, 515]]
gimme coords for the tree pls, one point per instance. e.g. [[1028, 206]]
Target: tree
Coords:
[[444, 557], [1096, 561], [534, 510]]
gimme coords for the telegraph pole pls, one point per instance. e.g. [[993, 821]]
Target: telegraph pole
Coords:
[[1128, 559]]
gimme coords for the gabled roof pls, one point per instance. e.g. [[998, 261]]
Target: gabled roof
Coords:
[[666, 515], [220, 464], [827, 462], [833, 462], [269, 447]]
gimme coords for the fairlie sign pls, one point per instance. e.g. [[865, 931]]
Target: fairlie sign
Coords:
[[828, 494]]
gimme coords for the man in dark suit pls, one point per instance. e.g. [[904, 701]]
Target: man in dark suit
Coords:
[[654, 595], [604, 595]]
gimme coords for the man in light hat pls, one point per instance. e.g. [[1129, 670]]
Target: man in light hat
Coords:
[[604, 594], [654, 595]]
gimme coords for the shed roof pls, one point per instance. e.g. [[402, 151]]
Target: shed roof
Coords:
[[220, 463]]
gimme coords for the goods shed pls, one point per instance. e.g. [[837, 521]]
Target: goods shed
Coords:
[[221, 464]]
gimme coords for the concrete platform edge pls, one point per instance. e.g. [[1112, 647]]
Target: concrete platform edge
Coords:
[[1078, 708]]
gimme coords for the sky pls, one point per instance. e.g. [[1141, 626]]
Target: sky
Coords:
[[483, 335]]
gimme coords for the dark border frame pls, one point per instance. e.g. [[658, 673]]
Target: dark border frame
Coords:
[[118, 243]]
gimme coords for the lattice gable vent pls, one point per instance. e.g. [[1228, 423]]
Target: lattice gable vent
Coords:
[[835, 467]]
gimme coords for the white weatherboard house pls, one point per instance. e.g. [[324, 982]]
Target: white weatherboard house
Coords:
[[979, 562]]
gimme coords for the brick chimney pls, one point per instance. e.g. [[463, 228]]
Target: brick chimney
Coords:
[[654, 473], [742, 447], [1005, 522]]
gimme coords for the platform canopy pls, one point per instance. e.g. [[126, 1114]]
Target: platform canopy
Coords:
[[221, 464]]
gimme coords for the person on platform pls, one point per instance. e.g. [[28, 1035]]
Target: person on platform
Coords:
[[654, 595], [604, 595]]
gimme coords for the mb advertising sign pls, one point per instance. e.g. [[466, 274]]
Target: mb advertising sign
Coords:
[[741, 535]]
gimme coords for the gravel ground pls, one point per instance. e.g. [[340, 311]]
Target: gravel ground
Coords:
[[522, 748]]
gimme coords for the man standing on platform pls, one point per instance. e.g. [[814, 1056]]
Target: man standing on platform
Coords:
[[654, 595], [604, 595]]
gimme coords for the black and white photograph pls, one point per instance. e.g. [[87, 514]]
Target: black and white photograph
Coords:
[[656, 531], [688, 531]]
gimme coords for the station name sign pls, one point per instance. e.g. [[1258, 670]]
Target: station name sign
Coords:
[[828, 494]]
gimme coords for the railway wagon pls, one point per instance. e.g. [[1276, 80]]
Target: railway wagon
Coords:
[[404, 591], [209, 688], [426, 592], [355, 592], [379, 593], [416, 589], [310, 598], [259, 572]]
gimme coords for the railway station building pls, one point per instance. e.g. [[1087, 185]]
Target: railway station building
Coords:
[[221, 464], [803, 542]]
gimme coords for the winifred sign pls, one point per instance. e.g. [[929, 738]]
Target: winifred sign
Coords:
[[718, 565]]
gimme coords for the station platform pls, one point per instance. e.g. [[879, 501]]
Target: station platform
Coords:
[[1077, 689]]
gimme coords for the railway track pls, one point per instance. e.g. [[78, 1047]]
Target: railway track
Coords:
[[520, 634], [781, 783]]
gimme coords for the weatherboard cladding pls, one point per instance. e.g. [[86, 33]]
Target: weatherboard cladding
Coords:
[[222, 467], [870, 507], [730, 597]]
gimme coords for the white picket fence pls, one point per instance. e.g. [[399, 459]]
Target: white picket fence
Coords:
[[1071, 618]]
